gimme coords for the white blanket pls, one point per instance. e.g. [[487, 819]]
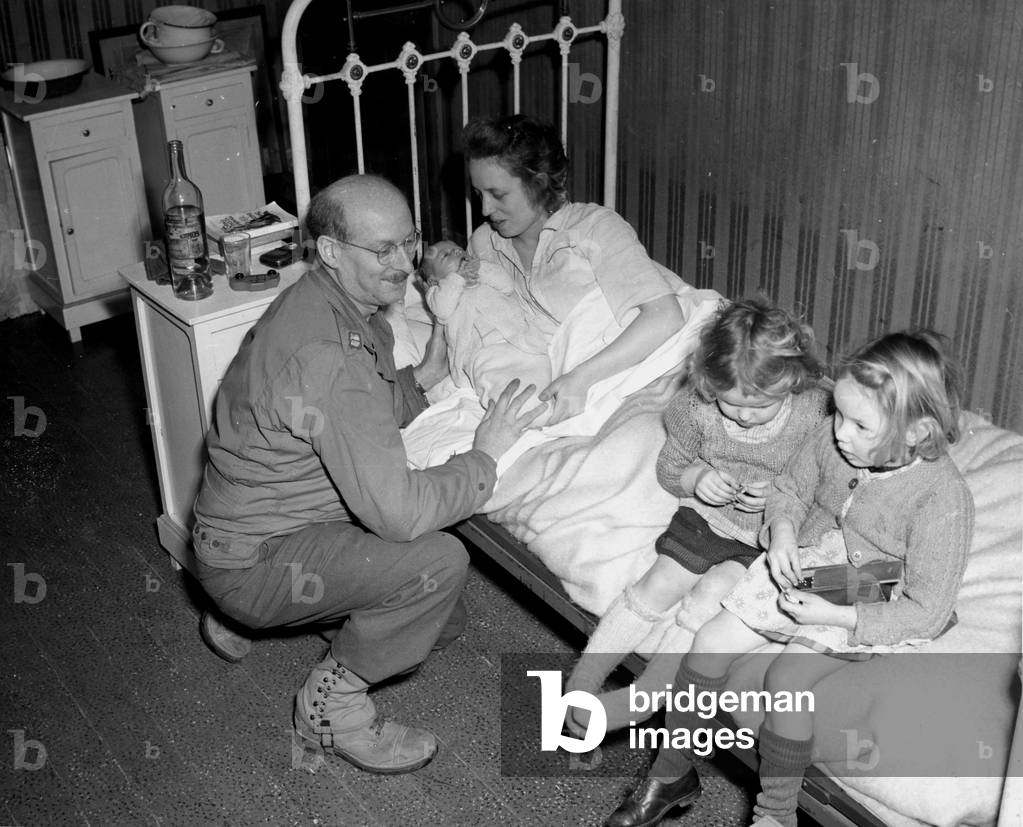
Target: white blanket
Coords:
[[589, 506], [449, 425]]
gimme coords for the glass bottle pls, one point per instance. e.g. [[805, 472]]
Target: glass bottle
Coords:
[[184, 224]]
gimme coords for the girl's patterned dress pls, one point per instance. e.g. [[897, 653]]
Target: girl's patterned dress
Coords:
[[756, 598]]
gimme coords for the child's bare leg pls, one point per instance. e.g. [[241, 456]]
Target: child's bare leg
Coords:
[[665, 583], [719, 642], [786, 738], [639, 614], [629, 620], [696, 608], [797, 668]]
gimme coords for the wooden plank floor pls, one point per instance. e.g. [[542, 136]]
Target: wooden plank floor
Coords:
[[114, 713]]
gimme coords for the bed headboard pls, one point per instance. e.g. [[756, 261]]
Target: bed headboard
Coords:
[[409, 62]]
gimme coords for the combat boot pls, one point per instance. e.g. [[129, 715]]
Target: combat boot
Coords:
[[333, 711]]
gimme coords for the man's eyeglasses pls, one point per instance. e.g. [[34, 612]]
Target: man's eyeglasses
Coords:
[[389, 254]]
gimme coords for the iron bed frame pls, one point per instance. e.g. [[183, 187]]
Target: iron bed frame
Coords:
[[821, 797]]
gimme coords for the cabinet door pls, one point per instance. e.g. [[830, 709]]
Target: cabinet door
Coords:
[[100, 216], [222, 158]]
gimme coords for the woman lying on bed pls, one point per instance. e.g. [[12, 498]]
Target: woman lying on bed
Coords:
[[557, 251]]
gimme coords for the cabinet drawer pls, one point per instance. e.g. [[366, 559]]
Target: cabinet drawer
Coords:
[[84, 130], [209, 101]]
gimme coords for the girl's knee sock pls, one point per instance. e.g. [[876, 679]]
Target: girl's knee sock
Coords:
[[626, 623], [674, 763], [659, 673], [783, 762]]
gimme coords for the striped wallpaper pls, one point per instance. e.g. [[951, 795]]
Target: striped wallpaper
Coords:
[[861, 160]]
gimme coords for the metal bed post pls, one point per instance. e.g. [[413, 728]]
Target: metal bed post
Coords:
[[614, 29], [293, 86]]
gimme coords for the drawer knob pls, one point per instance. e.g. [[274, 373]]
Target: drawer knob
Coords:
[[86, 133], [70, 230], [209, 101]]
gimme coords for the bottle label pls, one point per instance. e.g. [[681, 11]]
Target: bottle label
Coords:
[[184, 234]]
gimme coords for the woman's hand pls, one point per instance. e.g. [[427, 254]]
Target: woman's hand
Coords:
[[811, 610], [752, 498], [783, 555], [567, 395], [715, 487]]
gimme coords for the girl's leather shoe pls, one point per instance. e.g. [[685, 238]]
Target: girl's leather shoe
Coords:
[[650, 802]]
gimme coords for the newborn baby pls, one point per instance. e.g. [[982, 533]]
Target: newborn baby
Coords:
[[490, 340]]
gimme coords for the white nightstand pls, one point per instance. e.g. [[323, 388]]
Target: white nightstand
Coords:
[[186, 348], [211, 111], [78, 183]]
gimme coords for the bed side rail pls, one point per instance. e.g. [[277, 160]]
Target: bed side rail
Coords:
[[821, 798]]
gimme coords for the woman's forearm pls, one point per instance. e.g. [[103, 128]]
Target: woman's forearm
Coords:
[[657, 321]]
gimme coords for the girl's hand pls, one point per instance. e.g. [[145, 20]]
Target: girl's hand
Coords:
[[752, 498], [783, 560], [811, 609], [716, 487], [567, 395]]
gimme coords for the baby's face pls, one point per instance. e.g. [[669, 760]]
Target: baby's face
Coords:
[[442, 258]]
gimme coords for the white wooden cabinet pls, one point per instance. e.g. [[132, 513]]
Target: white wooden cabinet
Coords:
[[78, 184], [214, 117], [186, 348]]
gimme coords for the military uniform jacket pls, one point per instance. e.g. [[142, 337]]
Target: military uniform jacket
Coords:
[[306, 429]]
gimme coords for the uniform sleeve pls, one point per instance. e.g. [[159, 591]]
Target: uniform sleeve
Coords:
[[792, 491], [939, 537], [626, 274], [411, 401], [359, 444], [682, 446]]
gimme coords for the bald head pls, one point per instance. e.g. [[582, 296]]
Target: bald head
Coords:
[[339, 209]]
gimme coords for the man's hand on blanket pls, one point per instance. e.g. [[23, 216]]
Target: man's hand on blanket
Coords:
[[504, 421], [567, 395]]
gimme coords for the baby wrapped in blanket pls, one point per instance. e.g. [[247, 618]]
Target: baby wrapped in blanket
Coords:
[[486, 321]]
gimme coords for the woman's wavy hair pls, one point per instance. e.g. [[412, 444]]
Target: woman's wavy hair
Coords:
[[529, 149], [757, 348], [915, 383]]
